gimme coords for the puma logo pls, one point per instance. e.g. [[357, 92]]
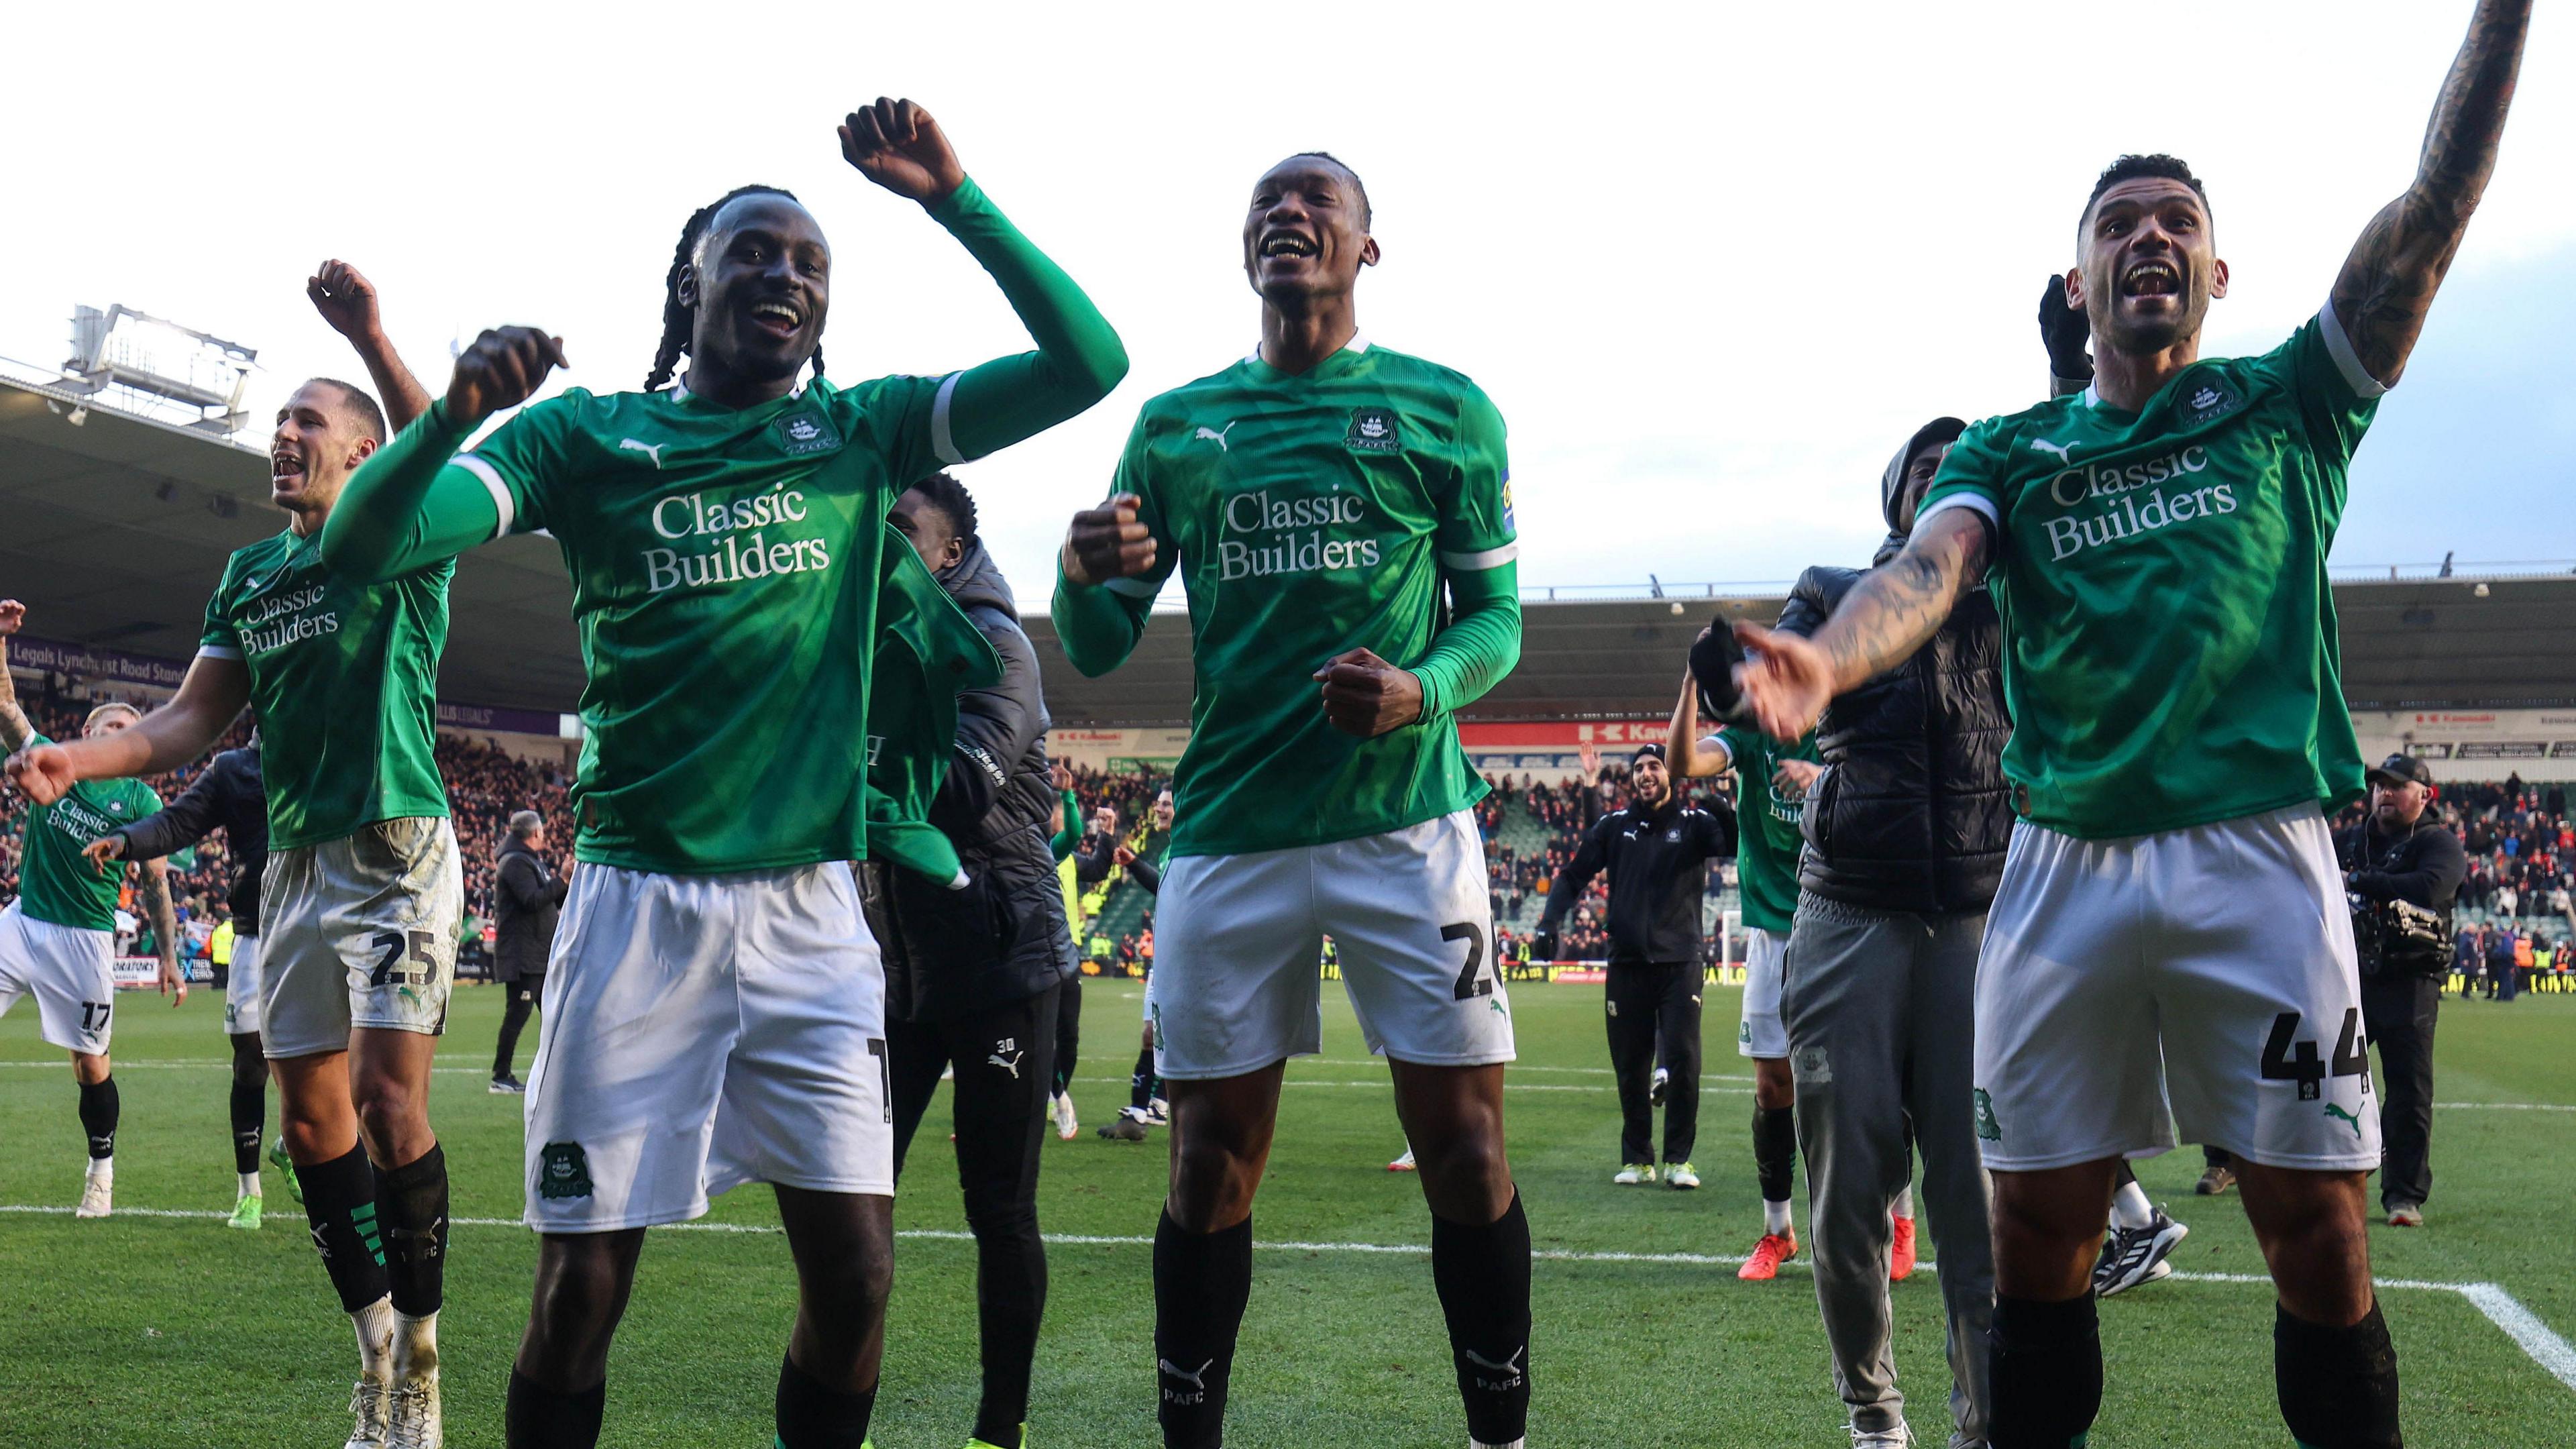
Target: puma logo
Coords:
[[1213, 436], [649, 450], [2060, 449], [1010, 1064], [1196, 1393], [2335, 1111], [1505, 1375]]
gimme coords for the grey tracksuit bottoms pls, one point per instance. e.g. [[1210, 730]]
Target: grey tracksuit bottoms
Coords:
[[1881, 1014]]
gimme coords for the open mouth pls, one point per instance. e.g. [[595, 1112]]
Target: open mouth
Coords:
[[284, 470], [2151, 279], [1287, 244], [778, 318]]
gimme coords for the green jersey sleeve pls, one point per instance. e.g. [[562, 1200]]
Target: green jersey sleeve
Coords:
[[1099, 624], [2337, 395], [220, 638], [1475, 530], [1972, 476], [526, 458], [907, 419]]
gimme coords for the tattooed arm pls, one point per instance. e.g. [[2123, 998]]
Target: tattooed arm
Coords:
[[15, 728], [1880, 623], [154, 894], [2387, 284]]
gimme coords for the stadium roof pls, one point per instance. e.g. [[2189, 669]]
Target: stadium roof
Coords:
[[115, 530]]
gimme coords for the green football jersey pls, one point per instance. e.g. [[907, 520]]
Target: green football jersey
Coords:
[[725, 573], [1768, 834], [344, 677], [2170, 648], [55, 882], [1310, 515]]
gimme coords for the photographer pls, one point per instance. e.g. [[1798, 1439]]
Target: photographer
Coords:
[[2402, 868]]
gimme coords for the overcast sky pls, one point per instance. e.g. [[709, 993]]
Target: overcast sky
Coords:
[[1713, 262]]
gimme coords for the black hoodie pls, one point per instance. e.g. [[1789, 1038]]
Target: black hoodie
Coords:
[[1913, 812], [1001, 938]]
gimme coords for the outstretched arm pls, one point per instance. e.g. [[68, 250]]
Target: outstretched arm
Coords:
[[1888, 615], [347, 300], [209, 699], [2387, 284]]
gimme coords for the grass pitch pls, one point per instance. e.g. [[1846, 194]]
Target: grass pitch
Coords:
[[149, 1330]]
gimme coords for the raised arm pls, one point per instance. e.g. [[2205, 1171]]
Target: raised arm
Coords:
[[2387, 284], [15, 728], [1888, 615], [209, 699], [347, 300], [408, 506], [1079, 358], [1682, 752]]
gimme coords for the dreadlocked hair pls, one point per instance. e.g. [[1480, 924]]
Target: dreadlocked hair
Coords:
[[677, 320], [950, 497]]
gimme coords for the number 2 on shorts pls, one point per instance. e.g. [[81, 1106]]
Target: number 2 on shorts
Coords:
[[1471, 984]]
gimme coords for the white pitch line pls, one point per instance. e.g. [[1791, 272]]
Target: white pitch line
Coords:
[[2525, 1328]]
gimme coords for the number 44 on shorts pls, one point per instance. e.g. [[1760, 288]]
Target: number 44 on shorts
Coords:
[[2287, 1059]]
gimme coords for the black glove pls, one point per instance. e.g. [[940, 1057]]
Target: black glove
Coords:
[[1713, 657], [2066, 333], [1543, 944]]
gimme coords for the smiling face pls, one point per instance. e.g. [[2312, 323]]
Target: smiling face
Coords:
[[759, 287], [1648, 780], [320, 440], [2147, 265], [1306, 234], [1163, 811]]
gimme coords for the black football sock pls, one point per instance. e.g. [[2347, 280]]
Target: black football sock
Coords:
[[1775, 1151], [1201, 1282], [413, 1199], [2338, 1386], [99, 1109], [249, 1101], [2047, 1373], [340, 1202], [812, 1416], [1140, 1082], [1483, 1276], [537, 1417]]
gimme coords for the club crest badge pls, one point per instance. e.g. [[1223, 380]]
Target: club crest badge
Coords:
[[804, 434], [2207, 400], [1372, 431], [562, 1171]]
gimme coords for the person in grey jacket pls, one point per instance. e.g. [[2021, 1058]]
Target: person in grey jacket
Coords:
[[1905, 836], [975, 975], [527, 898]]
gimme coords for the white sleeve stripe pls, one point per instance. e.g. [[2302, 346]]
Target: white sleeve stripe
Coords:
[[1492, 558], [1134, 588], [499, 490], [942, 441], [2346, 361], [217, 651], [1976, 503]]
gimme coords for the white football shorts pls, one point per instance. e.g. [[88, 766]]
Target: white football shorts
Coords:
[[72, 973], [702, 1032], [1761, 1035], [359, 931], [1239, 941], [2200, 978], [241, 989]]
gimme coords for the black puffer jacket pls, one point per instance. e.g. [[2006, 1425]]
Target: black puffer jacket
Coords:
[[1912, 812], [1000, 938]]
